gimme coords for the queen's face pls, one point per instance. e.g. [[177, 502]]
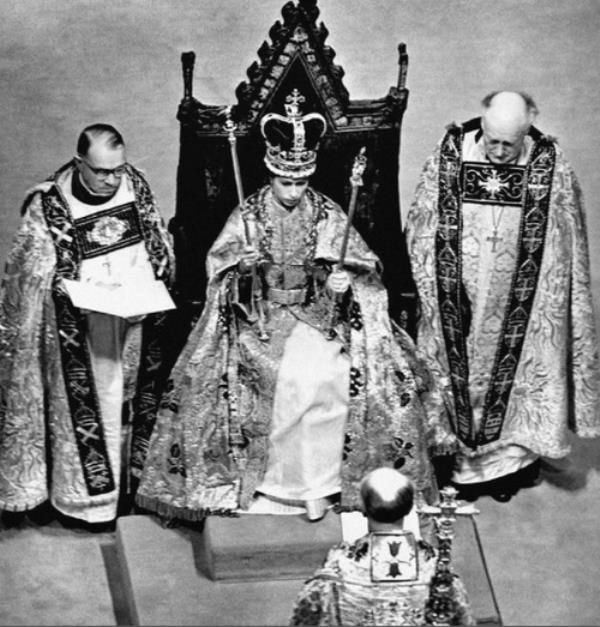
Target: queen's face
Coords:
[[288, 191]]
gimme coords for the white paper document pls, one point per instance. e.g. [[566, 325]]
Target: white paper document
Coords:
[[120, 299]]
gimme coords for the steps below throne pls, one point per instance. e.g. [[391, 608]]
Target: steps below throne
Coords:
[[265, 547]]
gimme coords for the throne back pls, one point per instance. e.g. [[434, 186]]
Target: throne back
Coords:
[[206, 192]]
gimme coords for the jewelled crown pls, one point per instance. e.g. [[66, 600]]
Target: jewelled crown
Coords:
[[292, 139]]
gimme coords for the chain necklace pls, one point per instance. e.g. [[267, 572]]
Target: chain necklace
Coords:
[[494, 237]]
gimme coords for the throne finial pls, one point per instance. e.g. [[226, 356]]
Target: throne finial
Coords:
[[187, 63]]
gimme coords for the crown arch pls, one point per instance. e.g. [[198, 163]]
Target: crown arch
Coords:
[[297, 57]]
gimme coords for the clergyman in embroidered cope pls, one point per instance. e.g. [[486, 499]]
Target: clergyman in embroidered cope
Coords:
[[500, 257], [66, 373], [384, 577]]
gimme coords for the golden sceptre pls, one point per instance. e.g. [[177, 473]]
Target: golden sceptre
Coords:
[[356, 181], [256, 299]]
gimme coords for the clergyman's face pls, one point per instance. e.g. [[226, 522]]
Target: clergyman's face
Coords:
[[502, 146], [288, 191], [102, 168]]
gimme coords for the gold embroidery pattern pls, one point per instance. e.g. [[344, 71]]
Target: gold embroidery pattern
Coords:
[[107, 231]]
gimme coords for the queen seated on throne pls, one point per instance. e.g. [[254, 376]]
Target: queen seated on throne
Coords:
[[294, 382]]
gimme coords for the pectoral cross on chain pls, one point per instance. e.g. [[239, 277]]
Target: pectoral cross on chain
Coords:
[[108, 266], [494, 238]]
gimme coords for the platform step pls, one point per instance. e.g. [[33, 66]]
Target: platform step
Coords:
[[53, 576], [167, 582], [267, 547]]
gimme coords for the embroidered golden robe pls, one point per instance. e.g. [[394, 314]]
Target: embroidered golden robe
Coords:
[[60, 409], [342, 591], [222, 429], [500, 259]]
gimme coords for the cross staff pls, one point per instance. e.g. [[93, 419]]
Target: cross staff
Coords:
[[441, 606], [256, 301], [356, 181]]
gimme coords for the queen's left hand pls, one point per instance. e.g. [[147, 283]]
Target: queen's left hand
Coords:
[[339, 281]]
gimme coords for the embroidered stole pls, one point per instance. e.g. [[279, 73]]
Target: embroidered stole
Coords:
[[529, 188]]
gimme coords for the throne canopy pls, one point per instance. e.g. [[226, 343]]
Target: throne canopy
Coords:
[[297, 57]]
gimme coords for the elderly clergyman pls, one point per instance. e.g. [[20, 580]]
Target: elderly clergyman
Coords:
[[499, 251]]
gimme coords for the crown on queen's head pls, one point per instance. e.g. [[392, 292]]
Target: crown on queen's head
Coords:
[[292, 140]]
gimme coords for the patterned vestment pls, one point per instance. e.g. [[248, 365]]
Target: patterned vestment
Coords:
[[342, 591], [503, 279], [209, 451], [53, 434]]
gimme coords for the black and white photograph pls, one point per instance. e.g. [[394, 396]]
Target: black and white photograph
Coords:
[[299, 312]]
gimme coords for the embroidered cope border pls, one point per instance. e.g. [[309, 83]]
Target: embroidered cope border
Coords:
[[127, 233], [490, 184], [451, 296]]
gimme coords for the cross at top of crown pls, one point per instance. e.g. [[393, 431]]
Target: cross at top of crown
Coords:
[[293, 101]]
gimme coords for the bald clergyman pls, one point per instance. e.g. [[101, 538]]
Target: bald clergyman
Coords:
[[384, 577], [499, 252]]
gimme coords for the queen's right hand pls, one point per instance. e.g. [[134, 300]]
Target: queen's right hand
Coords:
[[248, 259]]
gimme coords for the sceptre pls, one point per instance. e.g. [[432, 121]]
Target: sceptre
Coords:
[[256, 299], [356, 181]]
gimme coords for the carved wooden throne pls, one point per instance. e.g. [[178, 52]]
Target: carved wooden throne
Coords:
[[296, 57]]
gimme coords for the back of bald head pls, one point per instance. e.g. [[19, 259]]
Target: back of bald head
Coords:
[[509, 112], [387, 495]]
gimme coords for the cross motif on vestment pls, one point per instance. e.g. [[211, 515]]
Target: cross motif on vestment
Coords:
[[503, 381], [515, 335], [62, 234], [523, 290]]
